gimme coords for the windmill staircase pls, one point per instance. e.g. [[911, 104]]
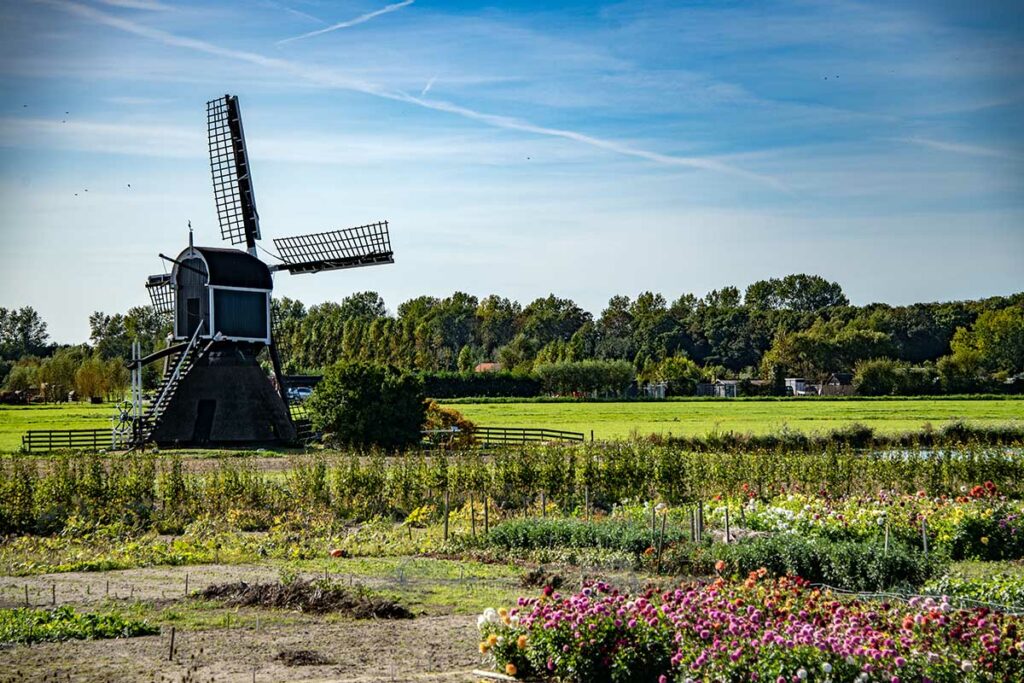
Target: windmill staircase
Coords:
[[180, 362]]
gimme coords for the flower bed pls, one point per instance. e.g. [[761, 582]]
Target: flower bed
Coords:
[[780, 631]]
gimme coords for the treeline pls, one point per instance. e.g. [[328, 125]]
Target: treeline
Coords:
[[30, 365], [796, 326]]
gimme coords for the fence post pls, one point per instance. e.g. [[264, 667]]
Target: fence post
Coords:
[[170, 652], [727, 523]]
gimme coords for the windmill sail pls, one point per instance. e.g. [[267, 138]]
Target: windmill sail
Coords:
[[161, 292], [229, 164], [366, 245]]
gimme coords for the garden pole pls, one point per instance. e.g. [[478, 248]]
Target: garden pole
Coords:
[[693, 527], [654, 524], [26, 595], [170, 653], [472, 514], [886, 538], [700, 520], [53, 593], [487, 521], [543, 505], [186, 584], [924, 536], [727, 524], [446, 515], [661, 541]]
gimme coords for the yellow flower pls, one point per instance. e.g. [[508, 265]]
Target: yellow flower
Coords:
[[502, 612], [484, 647], [492, 640], [510, 669], [521, 642], [984, 540]]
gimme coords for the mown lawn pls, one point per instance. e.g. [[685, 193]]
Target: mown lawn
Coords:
[[689, 418], [16, 420], [620, 420]]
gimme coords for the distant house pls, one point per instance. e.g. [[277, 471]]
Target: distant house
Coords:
[[838, 384], [720, 388], [796, 386], [487, 367]]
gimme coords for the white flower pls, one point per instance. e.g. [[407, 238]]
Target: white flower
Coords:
[[801, 674], [966, 666], [480, 622], [491, 615], [826, 667]]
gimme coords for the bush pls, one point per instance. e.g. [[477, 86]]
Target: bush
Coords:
[[442, 385], [364, 405], [26, 625], [606, 377], [850, 565], [622, 535]]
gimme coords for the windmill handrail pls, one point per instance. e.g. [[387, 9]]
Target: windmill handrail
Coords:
[[177, 368]]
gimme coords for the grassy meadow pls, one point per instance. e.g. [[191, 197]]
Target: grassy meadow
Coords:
[[697, 418], [620, 420]]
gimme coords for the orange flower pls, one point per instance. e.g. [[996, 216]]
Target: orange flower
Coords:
[[484, 647], [521, 642], [720, 566], [511, 669]]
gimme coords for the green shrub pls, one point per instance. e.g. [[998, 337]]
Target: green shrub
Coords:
[[26, 625], [364, 405], [850, 565], [622, 535]]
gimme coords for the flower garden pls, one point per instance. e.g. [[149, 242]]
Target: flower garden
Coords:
[[758, 629]]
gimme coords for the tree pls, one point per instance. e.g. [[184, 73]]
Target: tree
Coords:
[[496, 319], [997, 338], [550, 318], [804, 293], [23, 375], [470, 356], [22, 333], [363, 405], [91, 378], [363, 305]]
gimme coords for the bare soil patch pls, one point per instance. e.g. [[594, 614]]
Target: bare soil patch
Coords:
[[311, 597]]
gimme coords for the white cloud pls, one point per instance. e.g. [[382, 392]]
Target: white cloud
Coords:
[[361, 19], [148, 5], [960, 148]]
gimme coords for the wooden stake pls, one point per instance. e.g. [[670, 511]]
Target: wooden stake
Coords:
[[661, 541], [472, 514], [170, 652], [446, 515], [886, 550], [700, 520], [924, 535], [726, 523], [487, 520], [53, 593], [543, 505], [586, 502], [26, 595], [186, 584]]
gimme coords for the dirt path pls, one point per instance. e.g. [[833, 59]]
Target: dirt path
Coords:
[[424, 649]]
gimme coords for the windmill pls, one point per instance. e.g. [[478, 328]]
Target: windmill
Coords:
[[213, 390]]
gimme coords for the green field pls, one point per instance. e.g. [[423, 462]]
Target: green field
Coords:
[[16, 420], [698, 418], [620, 420]]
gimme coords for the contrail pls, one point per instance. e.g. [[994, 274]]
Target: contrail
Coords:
[[362, 18], [332, 79], [429, 85]]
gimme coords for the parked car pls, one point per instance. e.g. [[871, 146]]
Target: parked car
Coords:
[[299, 393]]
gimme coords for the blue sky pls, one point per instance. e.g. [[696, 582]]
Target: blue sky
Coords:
[[584, 149]]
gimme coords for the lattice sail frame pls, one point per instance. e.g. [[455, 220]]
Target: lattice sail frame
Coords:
[[366, 245], [161, 293], [229, 167]]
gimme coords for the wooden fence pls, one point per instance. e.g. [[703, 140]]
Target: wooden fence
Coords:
[[493, 436], [39, 440]]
